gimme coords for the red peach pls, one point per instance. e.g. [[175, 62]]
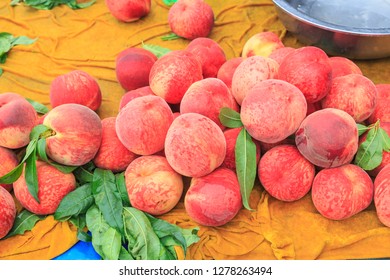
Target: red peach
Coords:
[[207, 97], [262, 44], [328, 138], [130, 95], [191, 19], [172, 74], [312, 107], [75, 87], [354, 94], [226, 71], [152, 185], [9, 161], [285, 174], [143, 123], [308, 68], [128, 10], [53, 186], [250, 72], [382, 107], [112, 155], [7, 212], [265, 147], [382, 195], [18, 117], [341, 192], [273, 110], [134, 50], [342, 66], [214, 199], [210, 55], [280, 53], [76, 134], [194, 145]]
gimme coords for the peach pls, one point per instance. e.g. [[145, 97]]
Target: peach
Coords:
[[130, 95], [75, 87], [7, 212], [152, 185], [172, 74], [194, 145], [328, 138], [342, 66], [265, 147], [312, 107], [75, 134], [262, 44], [213, 199], [250, 72], [280, 53], [112, 155], [132, 68], [231, 135], [53, 186], [143, 123], [308, 68], [273, 110], [191, 19], [18, 117], [382, 107], [382, 195], [227, 69], [128, 10], [210, 55], [341, 192], [207, 97], [354, 94], [285, 174], [9, 161]]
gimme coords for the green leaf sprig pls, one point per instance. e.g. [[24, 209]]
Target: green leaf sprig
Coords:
[[8, 41], [156, 50], [50, 4], [24, 221], [169, 2], [170, 37]]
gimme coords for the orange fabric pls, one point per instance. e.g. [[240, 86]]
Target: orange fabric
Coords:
[[89, 40]]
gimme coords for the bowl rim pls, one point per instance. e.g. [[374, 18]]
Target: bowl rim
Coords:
[[289, 9]]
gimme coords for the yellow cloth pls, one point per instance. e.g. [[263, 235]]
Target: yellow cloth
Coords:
[[89, 40]]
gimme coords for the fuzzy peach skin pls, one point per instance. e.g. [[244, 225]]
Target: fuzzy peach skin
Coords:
[[341, 192], [250, 72], [273, 110], [382, 107], [112, 155], [128, 10], [194, 145], [152, 185], [226, 71], [53, 186], [231, 135], [132, 68], [172, 74], [382, 195], [143, 123], [210, 55], [76, 134], [76, 87], [280, 53], [308, 68], [17, 119], [342, 66], [8, 161], [214, 199], [328, 138], [132, 94], [262, 44], [354, 94], [191, 19], [285, 174], [7, 212], [207, 97]]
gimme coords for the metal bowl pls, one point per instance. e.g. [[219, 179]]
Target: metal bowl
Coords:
[[356, 29]]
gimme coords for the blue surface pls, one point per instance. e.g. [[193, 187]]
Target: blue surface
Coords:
[[80, 251]]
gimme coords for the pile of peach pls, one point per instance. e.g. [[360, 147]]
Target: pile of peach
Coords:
[[300, 107]]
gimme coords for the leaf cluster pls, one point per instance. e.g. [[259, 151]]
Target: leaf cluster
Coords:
[[50, 4]]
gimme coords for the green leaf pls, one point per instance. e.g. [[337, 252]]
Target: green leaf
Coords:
[[37, 131], [190, 235], [121, 186], [83, 175], [107, 197], [83, 236], [3, 57], [97, 225], [84, 5], [385, 139], [245, 153], [1, 71], [125, 255], [39, 108], [169, 2], [75, 203], [170, 37], [15, 2], [144, 244], [369, 154], [31, 176], [111, 244], [50, 4], [156, 50], [79, 221], [230, 118], [362, 128], [24, 221], [22, 40]]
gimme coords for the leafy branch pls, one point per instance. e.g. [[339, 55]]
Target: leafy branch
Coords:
[[50, 4]]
